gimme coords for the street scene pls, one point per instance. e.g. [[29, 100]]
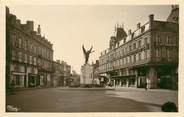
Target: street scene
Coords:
[[82, 59], [91, 100]]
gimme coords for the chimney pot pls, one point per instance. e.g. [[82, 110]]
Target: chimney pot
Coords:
[[129, 32], [151, 17], [30, 25], [138, 25], [39, 30]]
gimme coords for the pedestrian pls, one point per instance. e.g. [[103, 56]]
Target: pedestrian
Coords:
[[12, 87], [146, 86]]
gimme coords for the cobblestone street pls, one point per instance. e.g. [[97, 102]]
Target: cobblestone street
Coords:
[[91, 100]]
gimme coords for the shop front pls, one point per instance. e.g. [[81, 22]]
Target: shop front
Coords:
[[166, 77], [33, 80], [18, 79]]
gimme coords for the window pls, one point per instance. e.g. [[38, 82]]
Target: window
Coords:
[[158, 40], [20, 42], [30, 59], [34, 60], [25, 58], [157, 53], [125, 49], [17, 81], [168, 39], [13, 40], [130, 47], [139, 57], [130, 58], [145, 54], [168, 54], [134, 45], [20, 56], [145, 41], [139, 43], [35, 50], [122, 61], [25, 45], [13, 55], [134, 57], [126, 60]]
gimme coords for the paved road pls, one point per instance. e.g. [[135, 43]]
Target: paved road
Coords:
[[91, 100]]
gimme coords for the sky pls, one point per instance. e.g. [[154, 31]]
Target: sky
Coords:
[[68, 27]]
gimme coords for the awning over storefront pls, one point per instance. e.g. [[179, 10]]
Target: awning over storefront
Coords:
[[18, 73], [124, 77], [30, 74]]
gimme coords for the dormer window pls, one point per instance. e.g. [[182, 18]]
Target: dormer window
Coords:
[[142, 29], [20, 42]]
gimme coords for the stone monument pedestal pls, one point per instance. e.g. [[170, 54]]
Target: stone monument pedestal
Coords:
[[86, 78]]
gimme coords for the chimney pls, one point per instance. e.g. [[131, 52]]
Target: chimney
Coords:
[[18, 21], [39, 30], [129, 32], [58, 61], [34, 32], [138, 25], [151, 17], [7, 10], [30, 25], [97, 61]]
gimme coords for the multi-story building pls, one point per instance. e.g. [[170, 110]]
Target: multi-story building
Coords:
[[147, 56], [58, 75], [75, 79], [95, 74], [67, 73], [62, 73], [29, 55]]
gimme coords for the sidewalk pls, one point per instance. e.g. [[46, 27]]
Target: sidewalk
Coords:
[[121, 89], [30, 88], [64, 88], [142, 89], [81, 88]]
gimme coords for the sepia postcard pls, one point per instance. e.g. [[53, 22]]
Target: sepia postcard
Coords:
[[91, 58]]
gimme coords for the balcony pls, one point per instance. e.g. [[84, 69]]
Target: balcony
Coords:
[[165, 60]]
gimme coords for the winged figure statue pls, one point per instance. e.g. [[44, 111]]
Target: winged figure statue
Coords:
[[87, 53]]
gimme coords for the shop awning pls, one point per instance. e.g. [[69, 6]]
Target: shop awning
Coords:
[[18, 73], [128, 76]]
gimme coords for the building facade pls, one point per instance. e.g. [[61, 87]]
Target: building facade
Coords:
[[67, 73], [145, 57], [29, 55], [58, 75], [62, 74], [95, 74]]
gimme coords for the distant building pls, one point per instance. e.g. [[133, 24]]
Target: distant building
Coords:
[[75, 79], [58, 74], [95, 73], [29, 55], [67, 73], [61, 73], [145, 57]]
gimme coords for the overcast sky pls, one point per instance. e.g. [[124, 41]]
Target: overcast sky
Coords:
[[68, 27]]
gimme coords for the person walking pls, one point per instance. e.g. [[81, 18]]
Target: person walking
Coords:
[[146, 86], [12, 87]]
